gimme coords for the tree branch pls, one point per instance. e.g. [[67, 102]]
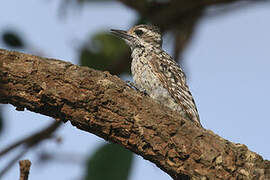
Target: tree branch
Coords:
[[104, 105]]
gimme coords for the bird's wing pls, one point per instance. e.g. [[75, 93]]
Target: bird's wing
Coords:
[[173, 79]]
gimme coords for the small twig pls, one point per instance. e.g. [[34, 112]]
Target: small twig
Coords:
[[12, 162], [33, 139], [24, 169], [29, 142]]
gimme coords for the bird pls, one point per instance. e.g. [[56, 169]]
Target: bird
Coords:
[[156, 73]]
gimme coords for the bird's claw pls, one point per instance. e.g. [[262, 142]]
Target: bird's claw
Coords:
[[133, 85]]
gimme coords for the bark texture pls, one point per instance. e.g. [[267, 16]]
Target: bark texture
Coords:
[[104, 105]]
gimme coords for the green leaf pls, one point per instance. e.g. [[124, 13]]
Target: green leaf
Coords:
[[105, 53], [109, 162], [12, 39], [142, 20]]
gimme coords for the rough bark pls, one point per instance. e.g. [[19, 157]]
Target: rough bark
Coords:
[[104, 105]]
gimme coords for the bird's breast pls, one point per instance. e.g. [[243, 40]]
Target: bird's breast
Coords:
[[146, 79]]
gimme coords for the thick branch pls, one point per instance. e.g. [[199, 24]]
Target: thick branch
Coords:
[[104, 105]]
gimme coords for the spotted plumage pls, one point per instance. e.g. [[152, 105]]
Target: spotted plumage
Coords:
[[156, 73]]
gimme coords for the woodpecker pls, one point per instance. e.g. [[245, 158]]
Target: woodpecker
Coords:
[[156, 73]]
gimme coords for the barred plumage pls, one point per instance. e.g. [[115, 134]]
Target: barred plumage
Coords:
[[156, 73]]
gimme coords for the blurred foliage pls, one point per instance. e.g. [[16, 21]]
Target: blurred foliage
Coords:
[[67, 5], [104, 52], [12, 39], [109, 162], [177, 16], [142, 20]]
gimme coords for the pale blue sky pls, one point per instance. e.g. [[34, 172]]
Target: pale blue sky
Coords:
[[227, 63]]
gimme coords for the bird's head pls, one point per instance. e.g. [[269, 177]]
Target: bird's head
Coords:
[[140, 35]]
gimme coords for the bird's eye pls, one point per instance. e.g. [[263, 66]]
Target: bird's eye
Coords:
[[138, 32]]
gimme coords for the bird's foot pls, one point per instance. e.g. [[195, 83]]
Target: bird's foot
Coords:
[[133, 85]]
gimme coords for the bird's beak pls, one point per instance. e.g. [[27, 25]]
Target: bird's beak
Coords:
[[122, 34]]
